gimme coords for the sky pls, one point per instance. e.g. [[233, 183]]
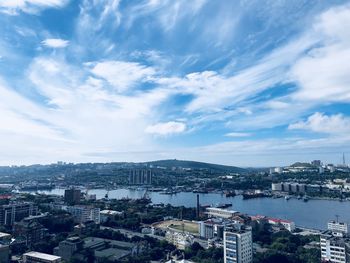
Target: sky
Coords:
[[244, 83]]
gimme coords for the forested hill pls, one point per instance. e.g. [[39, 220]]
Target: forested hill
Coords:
[[196, 165]]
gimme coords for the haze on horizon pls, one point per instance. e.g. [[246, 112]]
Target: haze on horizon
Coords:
[[230, 82]]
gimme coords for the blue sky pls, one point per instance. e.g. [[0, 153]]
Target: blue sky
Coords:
[[246, 83]]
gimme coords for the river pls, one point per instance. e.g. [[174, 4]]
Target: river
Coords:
[[311, 214]]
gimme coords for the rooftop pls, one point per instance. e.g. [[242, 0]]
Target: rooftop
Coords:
[[41, 255]]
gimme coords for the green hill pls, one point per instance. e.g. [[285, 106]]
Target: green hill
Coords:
[[196, 165]]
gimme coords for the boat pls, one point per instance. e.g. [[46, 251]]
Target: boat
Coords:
[[223, 205], [287, 197], [305, 199], [230, 193]]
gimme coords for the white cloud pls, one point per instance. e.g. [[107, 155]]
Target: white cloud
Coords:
[[166, 128], [319, 122], [238, 134], [29, 6], [122, 75], [323, 74], [55, 43]]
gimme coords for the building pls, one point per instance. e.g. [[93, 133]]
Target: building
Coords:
[[31, 231], [316, 163], [37, 257], [72, 196], [208, 229], [180, 240], [4, 253], [140, 177], [288, 225], [15, 212], [238, 244], [5, 238], [221, 213], [179, 261], [334, 248], [110, 250], [84, 213], [338, 228], [68, 247], [106, 214]]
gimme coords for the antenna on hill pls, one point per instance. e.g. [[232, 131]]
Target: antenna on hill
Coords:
[[337, 216], [344, 159]]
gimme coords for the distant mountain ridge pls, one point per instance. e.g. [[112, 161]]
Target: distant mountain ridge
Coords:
[[195, 165]]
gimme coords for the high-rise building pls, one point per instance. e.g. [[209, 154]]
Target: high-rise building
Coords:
[[334, 249], [316, 163], [140, 177], [72, 196], [238, 244], [15, 212]]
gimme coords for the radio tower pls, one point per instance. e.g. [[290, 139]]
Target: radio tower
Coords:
[[343, 159]]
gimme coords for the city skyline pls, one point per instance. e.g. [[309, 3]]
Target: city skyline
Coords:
[[235, 83]]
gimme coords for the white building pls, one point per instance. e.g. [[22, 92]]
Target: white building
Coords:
[[289, 225], [334, 249], [238, 244], [83, 213], [105, 214], [338, 228], [180, 240], [37, 257], [221, 213]]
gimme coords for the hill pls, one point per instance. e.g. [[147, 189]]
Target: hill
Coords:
[[196, 165]]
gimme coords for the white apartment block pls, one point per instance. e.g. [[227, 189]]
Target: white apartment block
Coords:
[[238, 244], [83, 213], [338, 228], [334, 249]]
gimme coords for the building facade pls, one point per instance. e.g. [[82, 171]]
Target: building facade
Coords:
[[15, 212], [334, 249], [140, 177], [72, 196], [238, 244]]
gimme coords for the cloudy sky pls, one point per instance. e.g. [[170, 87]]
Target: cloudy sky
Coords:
[[246, 83]]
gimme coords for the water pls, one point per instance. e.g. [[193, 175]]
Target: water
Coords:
[[311, 214]]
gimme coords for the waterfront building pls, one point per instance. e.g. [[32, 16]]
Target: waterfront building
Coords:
[[72, 196], [221, 213], [338, 228], [37, 257], [14, 212], [334, 248], [238, 244], [288, 225], [140, 177]]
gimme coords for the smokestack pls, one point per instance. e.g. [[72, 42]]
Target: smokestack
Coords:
[[197, 211]]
